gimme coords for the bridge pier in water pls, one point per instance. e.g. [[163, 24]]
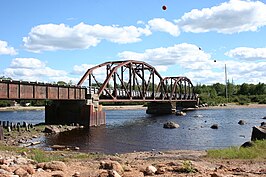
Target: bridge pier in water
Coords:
[[77, 112], [161, 108], [168, 107]]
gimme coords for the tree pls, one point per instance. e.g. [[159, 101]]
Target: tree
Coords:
[[5, 78], [61, 83], [260, 89], [244, 89], [220, 89]]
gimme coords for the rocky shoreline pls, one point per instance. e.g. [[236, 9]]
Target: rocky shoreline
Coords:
[[138, 164]]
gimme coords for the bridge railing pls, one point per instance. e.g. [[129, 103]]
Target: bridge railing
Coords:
[[123, 94]]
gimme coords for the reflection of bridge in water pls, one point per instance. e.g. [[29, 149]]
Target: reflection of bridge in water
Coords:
[[118, 81]]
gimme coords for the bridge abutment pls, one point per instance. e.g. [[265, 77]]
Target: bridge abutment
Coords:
[[77, 112]]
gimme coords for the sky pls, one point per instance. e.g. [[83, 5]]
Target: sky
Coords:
[[59, 40]]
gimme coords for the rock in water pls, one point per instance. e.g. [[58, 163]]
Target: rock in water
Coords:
[[247, 144], [214, 126], [258, 133], [170, 125], [181, 113], [241, 122]]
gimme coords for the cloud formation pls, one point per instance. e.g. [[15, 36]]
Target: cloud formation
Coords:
[[32, 69], [187, 55], [160, 24], [5, 49], [246, 53], [229, 17], [199, 66], [51, 37]]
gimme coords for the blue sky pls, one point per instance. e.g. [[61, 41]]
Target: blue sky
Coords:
[[59, 40]]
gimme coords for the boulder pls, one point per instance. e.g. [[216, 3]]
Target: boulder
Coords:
[[170, 125], [214, 126], [150, 170], [241, 122], [111, 165], [51, 129], [113, 173], [21, 172], [258, 133], [55, 166]]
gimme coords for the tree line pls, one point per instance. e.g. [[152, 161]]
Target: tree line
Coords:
[[223, 93]]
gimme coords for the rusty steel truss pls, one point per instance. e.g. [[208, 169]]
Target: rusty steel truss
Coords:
[[128, 81]]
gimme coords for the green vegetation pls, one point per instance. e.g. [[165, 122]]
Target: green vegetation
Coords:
[[46, 156], [255, 152], [5, 103], [187, 167], [242, 94]]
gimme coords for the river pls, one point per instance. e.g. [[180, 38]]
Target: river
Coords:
[[134, 130]]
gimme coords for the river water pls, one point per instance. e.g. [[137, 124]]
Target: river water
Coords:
[[134, 130]]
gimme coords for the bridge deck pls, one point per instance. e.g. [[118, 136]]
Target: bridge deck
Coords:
[[12, 90]]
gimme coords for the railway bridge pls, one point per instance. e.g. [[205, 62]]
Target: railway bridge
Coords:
[[114, 81]]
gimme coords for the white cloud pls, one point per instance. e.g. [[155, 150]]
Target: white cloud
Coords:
[[5, 49], [32, 69], [229, 17], [81, 69], [51, 37], [187, 55], [198, 65], [246, 53], [28, 63], [160, 24]]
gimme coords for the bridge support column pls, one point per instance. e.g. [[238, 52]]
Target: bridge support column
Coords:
[[161, 108], [77, 112]]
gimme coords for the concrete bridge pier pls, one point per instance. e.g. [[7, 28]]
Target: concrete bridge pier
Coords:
[[77, 112], [169, 107], [161, 108]]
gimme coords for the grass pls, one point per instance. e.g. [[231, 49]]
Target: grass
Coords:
[[255, 152], [39, 155]]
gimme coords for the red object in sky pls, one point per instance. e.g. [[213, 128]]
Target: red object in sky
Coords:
[[164, 7]]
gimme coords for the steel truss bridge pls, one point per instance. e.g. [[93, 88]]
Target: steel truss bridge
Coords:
[[115, 81]]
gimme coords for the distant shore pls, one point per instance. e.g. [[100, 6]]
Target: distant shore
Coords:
[[135, 107], [22, 108]]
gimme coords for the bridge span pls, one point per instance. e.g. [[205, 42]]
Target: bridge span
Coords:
[[114, 81]]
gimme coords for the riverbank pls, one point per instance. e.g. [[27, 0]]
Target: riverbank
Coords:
[[22, 108], [183, 163]]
